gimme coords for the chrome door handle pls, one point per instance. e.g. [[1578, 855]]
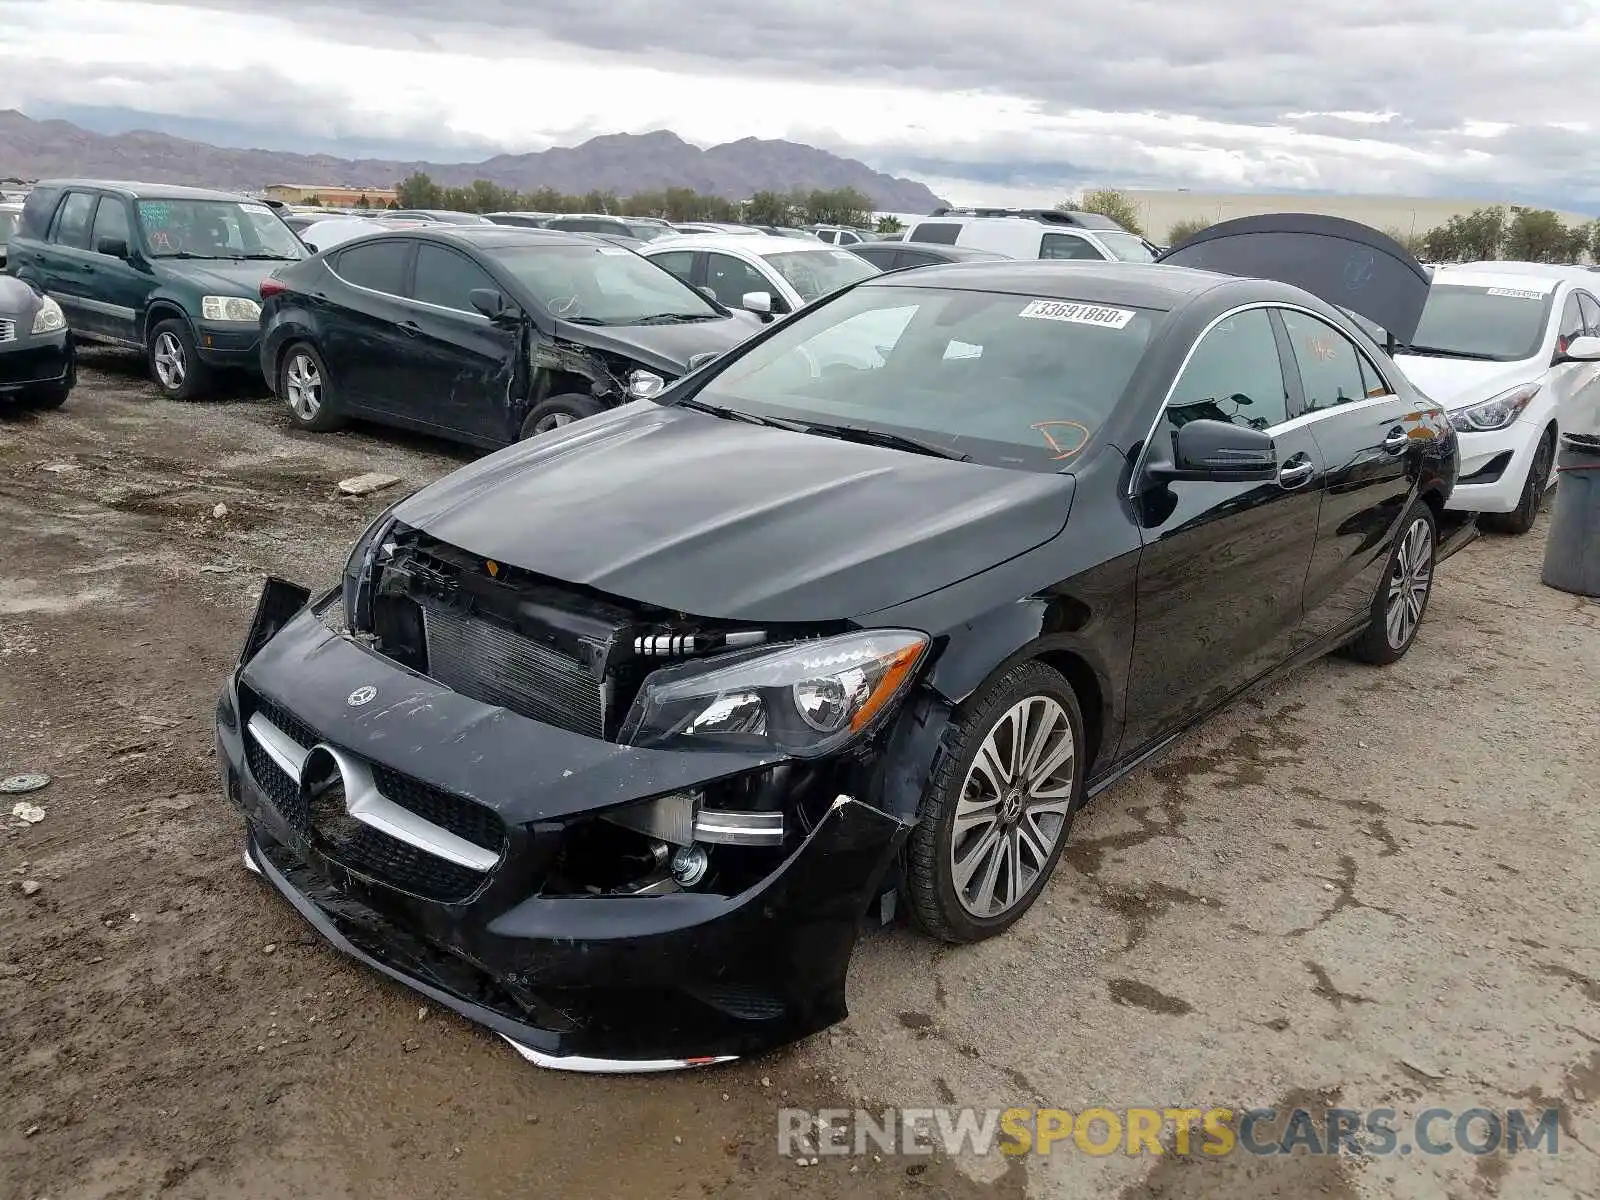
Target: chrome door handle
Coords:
[[1396, 441], [1294, 474]]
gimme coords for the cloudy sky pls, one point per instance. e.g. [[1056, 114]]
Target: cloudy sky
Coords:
[[1000, 103]]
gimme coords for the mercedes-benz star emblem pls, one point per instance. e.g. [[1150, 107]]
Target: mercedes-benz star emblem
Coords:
[[362, 695]]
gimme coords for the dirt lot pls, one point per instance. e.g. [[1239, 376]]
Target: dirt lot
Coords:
[[1362, 887]]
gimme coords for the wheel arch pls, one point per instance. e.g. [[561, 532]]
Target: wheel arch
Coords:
[[159, 310]]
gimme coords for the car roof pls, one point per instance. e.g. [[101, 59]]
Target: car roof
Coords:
[[753, 243], [1528, 270], [955, 253], [146, 191], [490, 237], [1143, 285], [1472, 275]]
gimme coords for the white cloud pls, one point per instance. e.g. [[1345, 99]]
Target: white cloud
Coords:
[[1408, 95]]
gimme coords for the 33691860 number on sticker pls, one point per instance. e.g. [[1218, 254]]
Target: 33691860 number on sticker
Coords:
[[1078, 313]]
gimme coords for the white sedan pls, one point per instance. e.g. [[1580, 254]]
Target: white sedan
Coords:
[[1512, 350], [323, 235], [758, 272]]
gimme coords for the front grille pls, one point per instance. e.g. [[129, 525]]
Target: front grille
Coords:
[[490, 663], [8, 330], [359, 848]]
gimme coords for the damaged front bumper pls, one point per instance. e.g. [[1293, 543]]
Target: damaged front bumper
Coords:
[[430, 862]]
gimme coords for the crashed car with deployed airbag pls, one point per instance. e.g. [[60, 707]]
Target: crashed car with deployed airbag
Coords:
[[613, 740]]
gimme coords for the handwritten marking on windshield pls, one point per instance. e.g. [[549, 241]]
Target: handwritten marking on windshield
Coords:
[[1071, 431]]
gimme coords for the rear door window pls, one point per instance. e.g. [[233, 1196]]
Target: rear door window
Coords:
[[943, 233], [1067, 245], [378, 266], [446, 279], [73, 220]]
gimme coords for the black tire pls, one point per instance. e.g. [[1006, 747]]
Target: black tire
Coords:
[[930, 886], [192, 378], [558, 411], [305, 390], [1378, 643], [52, 395], [1520, 519]]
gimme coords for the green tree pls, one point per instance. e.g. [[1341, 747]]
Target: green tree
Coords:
[[1415, 244], [838, 206], [313, 201], [1185, 229], [890, 224], [417, 190], [768, 208], [1108, 202], [1594, 240], [1537, 235]]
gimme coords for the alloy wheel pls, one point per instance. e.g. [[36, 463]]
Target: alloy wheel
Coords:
[[1013, 807], [169, 361], [302, 386], [553, 421], [1409, 583]]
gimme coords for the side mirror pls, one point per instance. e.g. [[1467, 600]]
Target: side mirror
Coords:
[[490, 303], [1217, 451], [759, 303], [1585, 348], [114, 247]]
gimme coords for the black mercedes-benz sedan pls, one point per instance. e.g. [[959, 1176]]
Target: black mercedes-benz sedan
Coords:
[[38, 361], [480, 333], [611, 740]]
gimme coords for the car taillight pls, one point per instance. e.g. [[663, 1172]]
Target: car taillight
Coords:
[[272, 287]]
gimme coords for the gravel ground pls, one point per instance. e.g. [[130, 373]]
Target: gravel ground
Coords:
[[1359, 887]]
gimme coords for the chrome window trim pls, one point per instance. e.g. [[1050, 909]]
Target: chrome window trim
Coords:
[[1293, 423]]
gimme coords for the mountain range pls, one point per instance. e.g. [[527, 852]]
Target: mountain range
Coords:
[[619, 162]]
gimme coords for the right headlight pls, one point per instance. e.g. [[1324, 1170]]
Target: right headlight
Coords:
[[803, 699]]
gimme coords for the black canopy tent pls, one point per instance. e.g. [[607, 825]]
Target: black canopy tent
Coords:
[[1345, 263]]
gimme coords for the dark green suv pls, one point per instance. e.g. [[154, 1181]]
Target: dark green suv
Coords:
[[173, 271]]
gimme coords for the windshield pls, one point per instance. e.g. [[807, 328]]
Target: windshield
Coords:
[[1125, 246], [602, 285], [647, 231], [1500, 323], [215, 229], [815, 273], [1007, 380]]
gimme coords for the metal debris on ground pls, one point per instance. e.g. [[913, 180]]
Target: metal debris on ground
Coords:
[[28, 814], [17, 785], [362, 485]]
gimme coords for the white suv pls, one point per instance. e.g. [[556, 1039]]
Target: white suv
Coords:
[[1498, 346], [1034, 233]]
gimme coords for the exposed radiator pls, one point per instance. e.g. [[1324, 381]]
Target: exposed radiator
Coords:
[[488, 662]]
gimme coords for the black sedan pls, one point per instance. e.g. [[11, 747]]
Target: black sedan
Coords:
[[610, 740], [484, 334], [901, 256], [38, 362]]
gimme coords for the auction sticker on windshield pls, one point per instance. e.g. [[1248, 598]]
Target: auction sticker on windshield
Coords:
[[255, 208], [1517, 293], [1078, 314]]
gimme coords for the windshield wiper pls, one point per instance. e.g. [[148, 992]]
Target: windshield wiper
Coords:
[[890, 441], [584, 321], [734, 414], [1446, 352], [675, 318], [272, 257]]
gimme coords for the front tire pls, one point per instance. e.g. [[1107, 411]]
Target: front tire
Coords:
[[557, 411], [1520, 519], [1402, 599], [175, 365], [51, 395], [303, 386], [997, 813]]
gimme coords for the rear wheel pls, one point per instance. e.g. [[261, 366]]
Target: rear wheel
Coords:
[[303, 384], [1398, 608], [175, 365], [1520, 519], [557, 411]]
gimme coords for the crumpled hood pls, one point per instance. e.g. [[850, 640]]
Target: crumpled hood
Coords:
[[1459, 382], [720, 518], [664, 347], [223, 277]]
